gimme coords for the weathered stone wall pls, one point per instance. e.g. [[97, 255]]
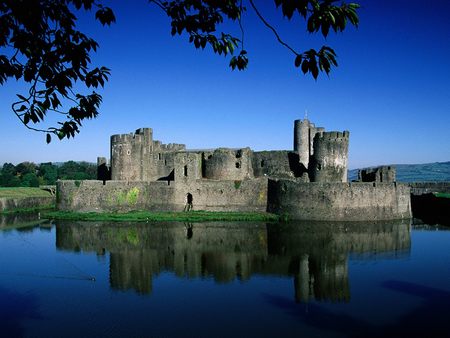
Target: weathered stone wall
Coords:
[[419, 188], [114, 196], [330, 159], [246, 195], [229, 164], [136, 157], [339, 201], [7, 203], [188, 166], [379, 174], [128, 154], [280, 163], [301, 140], [304, 133]]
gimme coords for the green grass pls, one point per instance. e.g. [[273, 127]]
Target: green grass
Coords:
[[23, 192], [27, 210], [442, 194], [145, 216]]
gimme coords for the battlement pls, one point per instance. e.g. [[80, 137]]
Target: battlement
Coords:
[[170, 147], [138, 136], [333, 135]]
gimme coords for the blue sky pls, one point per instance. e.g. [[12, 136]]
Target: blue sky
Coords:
[[391, 89]]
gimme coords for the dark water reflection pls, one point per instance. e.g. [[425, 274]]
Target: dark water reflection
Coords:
[[314, 255], [223, 279]]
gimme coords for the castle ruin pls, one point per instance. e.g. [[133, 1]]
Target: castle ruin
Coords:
[[308, 182]]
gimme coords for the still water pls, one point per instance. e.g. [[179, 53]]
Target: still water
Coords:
[[223, 279]]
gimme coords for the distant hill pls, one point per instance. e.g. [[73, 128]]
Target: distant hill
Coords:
[[439, 171]]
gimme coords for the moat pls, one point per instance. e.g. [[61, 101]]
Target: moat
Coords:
[[88, 279]]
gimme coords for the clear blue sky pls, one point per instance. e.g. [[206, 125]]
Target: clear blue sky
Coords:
[[391, 89]]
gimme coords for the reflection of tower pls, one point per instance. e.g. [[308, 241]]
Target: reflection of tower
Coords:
[[322, 278], [133, 270], [314, 254], [302, 281], [329, 277]]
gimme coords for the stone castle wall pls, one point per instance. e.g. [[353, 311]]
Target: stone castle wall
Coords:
[[229, 164], [137, 157], [420, 188], [281, 163], [149, 175], [339, 201], [297, 200], [378, 174], [330, 160], [86, 196]]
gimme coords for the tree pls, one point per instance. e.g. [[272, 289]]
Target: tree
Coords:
[[8, 176], [26, 168], [49, 173], [72, 170], [41, 46], [30, 180]]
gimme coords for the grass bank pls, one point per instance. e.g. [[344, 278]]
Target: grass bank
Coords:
[[24, 200], [146, 216], [442, 195], [22, 192], [44, 208]]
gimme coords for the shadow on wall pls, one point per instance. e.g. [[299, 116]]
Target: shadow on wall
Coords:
[[431, 209]]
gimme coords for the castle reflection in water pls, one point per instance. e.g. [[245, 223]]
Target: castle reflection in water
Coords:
[[314, 255]]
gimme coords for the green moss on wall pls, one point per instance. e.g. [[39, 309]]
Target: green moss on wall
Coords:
[[132, 196], [129, 197]]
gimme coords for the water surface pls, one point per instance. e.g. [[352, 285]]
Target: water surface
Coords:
[[95, 279]]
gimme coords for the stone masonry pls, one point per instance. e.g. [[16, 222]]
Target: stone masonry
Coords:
[[308, 182]]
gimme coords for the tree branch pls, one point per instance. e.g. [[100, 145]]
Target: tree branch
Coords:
[[271, 28], [240, 25]]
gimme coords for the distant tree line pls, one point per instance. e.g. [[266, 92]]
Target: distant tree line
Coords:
[[29, 174]]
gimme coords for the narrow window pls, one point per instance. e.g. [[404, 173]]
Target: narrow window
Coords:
[[238, 165], [159, 156], [185, 170], [262, 163]]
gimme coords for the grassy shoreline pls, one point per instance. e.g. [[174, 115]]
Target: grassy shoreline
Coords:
[[147, 216], [442, 195], [22, 192], [27, 210]]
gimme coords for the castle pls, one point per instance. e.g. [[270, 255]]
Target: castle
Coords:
[[308, 182]]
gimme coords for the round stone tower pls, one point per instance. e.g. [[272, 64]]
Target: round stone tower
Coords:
[[301, 140], [330, 159], [229, 164]]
